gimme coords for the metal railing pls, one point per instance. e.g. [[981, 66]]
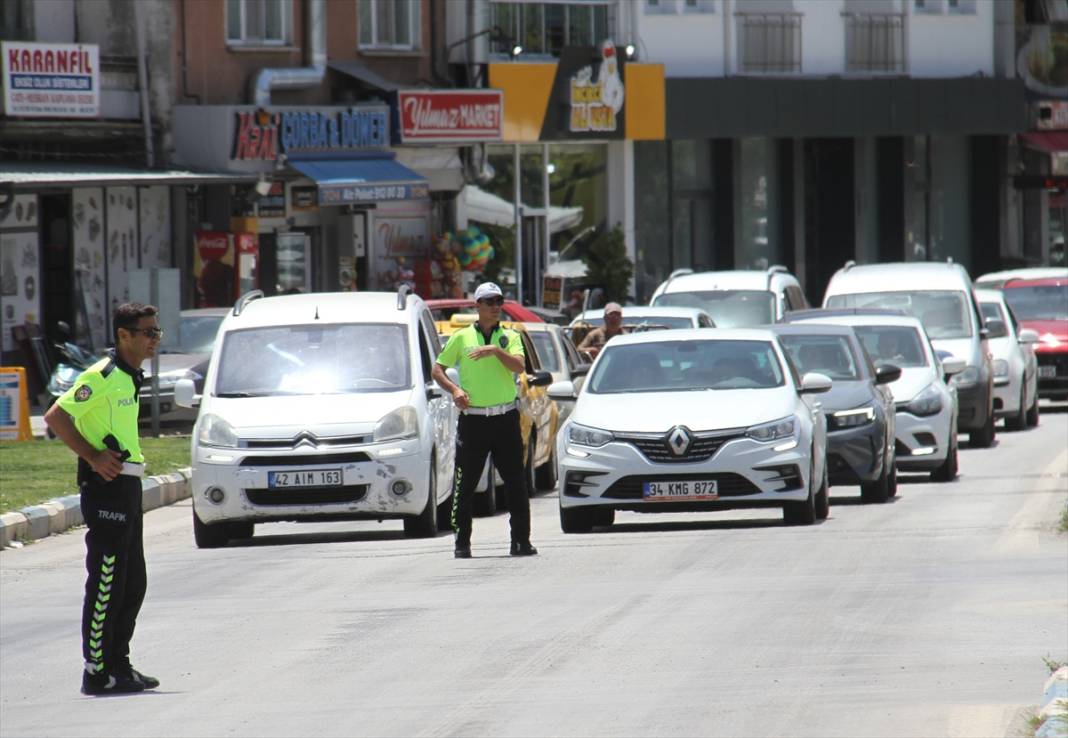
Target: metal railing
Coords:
[[769, 42], [874, 42]]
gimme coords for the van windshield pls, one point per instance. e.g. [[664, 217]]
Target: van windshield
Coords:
[[944, 313], [728, 308], [313, 360]]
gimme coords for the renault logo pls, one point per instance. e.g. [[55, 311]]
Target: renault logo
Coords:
[[678, 440]]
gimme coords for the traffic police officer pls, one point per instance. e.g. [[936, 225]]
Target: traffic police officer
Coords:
[[488, 356], [97, 419]]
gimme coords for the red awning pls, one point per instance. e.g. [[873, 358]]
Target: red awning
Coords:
[[1050, 141]]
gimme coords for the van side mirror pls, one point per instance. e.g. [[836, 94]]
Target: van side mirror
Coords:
[[185, 393], [952, 365], [996, 328], [814, 383], [887, 373]]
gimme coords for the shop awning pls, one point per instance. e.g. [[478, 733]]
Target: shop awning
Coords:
[[485, 207], [1049, 141], [36, 175], [353, 181]]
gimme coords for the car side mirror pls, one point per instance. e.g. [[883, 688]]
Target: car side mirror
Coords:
[[887, 373], [1028, 335], [984, 334], [996, 328], [814, 383], [583, 369], [540, 379], [952, 365], [562, 390], [185, 393]]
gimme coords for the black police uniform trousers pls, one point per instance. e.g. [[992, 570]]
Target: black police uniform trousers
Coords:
[[115, 563], [477, 436]]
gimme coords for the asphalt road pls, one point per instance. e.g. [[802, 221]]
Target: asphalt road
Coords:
[[927, 616]]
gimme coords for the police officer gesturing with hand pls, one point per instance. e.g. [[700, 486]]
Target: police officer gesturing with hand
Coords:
[[488, 357], [97, 419]]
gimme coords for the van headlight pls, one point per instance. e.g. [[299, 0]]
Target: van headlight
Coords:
[[968, 377], [774, 430], [401, 423], [214, 431], [586, 436], [927, 402], [1001, 368]]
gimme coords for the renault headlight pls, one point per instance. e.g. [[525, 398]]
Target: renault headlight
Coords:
[[853, 418], [969, 376], [214, 431], [774, 430], [585, 436], [1001, 368], [927, 402], [401, 423]]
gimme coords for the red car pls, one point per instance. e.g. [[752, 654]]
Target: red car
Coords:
[[1042, 305], [445, 308]]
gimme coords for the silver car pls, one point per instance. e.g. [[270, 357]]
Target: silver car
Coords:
[[1015, 366]]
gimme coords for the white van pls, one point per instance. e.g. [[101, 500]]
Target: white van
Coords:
[[321, 407], [939, 294], [734, 299]]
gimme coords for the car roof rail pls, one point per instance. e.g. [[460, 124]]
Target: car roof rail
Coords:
[[245, 299], [402, 295], [677, 273], [848, 265], [778, 269], [949, 259], [795, 315]]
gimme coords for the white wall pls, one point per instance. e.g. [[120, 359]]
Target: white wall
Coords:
[[951, 44], [687, 44]]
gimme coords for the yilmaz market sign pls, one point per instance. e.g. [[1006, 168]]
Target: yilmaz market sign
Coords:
[[51, 80], [265, 135]]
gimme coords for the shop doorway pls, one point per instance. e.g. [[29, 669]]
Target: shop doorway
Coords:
[[830, 238], [57, 266]]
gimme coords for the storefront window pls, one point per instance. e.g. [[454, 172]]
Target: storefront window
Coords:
[[916, 181], [756, 221], [653, 230], [950, 211]]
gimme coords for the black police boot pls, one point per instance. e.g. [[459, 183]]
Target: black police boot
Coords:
[[462, 552], [134, 675], [523, 549], [106, 683]]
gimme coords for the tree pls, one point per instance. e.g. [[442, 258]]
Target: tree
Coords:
[[607, 264]]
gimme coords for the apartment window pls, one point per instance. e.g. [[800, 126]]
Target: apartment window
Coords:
[[389, 24], [875, 42], [15, 18], [661, 7], [544, 29], [258, 22], [769, 42], [698, 6], [961, 7]]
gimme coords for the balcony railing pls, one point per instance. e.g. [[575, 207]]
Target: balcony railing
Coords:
[[769, 42], [874, 42]]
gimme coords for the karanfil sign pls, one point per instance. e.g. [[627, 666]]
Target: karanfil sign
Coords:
[[449, 116], [51, 80]]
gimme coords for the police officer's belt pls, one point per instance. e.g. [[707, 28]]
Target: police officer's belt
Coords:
[[131, 469], [492, 409]]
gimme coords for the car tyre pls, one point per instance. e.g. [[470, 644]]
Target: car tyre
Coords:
[[241, 530], [545, 475], [425, 524], [577, 519], [984, 437], [947, 472], [1018, 422], [801, 513], [879, 490], [823, 499], [1032, 413], [209, 536]]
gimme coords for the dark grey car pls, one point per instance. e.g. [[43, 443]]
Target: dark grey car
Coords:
[[859, 407]]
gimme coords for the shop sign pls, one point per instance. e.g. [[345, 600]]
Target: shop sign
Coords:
[[1052, 115], [260, 135], [449, 116], [302, 199], [51, 80], [357, 193], [596, 95]]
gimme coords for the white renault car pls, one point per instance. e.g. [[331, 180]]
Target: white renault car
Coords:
[[925, 423], [321, 407], [692, 420], [1015, 366]]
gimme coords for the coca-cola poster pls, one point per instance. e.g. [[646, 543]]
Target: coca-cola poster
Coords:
[[449, 116]]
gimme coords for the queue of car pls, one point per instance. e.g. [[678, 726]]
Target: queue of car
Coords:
[[318, 407]]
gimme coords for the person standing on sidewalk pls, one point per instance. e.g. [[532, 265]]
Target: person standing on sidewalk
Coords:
[[489, 357], [97, 419]]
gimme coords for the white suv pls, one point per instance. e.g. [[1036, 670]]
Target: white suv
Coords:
[[734, 299], [319, 407]]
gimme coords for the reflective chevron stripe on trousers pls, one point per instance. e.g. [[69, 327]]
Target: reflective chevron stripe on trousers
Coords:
[[115, 565]]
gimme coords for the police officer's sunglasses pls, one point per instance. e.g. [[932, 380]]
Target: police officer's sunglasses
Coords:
[[492, 301], [149, 332]]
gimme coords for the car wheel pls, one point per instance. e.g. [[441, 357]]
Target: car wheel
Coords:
[[545, 475], [209, 536], [801, 513], [576, 519], [984, 437], [891, 482], [604, 517], [948, 471], [1032, 413], [1018, 422], [823, 499], [241, 531], [425, 525], [879, 490]]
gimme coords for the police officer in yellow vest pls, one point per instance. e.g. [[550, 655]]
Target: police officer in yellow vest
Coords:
[[489, 357], [97, 419]]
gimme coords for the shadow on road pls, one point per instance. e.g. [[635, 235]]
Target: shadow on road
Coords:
[[776, 522], [325, 537]]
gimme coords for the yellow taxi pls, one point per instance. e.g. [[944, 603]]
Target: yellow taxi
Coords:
[[539, 419]]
